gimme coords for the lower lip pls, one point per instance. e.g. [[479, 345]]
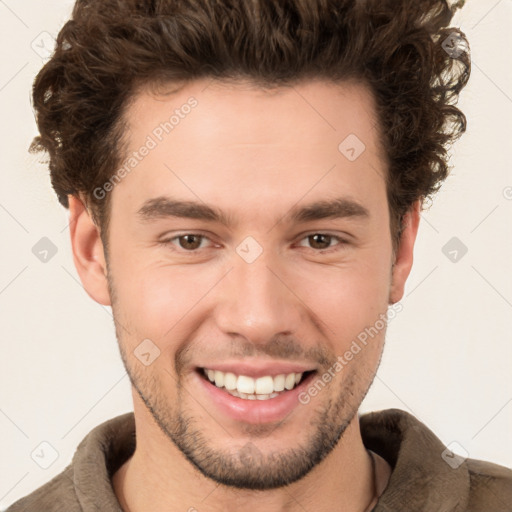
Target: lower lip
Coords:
[[254, 411]]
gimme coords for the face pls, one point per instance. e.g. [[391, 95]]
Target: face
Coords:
[[248, 248]]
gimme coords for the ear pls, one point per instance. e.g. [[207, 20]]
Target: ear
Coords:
[[88, 253], [404, 255]]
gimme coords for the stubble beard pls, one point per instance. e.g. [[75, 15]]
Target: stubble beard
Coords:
[[247, 467]]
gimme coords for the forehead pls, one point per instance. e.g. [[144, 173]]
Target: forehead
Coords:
[[247, 113], [208, 140]]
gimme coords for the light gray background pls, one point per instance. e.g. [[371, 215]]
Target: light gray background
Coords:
[[448, 354]]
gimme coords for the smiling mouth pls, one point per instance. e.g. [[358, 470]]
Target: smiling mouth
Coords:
[[249, 388]]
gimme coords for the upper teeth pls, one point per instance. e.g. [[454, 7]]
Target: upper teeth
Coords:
[[260, 386]]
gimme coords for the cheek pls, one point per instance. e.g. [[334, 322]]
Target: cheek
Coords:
[[149, 299], [158, 298], [165, 302], [347, 298]]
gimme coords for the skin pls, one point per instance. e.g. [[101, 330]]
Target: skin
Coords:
[[254, 154]]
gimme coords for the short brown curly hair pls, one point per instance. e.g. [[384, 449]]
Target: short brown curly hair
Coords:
[[414, 64]]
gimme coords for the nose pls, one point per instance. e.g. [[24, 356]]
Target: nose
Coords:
[[257, 302]]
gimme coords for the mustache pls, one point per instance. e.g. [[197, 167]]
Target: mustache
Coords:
[[278, 347]]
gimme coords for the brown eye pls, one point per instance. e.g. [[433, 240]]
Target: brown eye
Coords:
[[190, 242], [323, 242], [320, 241]]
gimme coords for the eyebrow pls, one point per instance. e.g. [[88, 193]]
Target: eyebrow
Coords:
[[163, 207]]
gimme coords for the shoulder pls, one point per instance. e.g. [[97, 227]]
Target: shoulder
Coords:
[[85, 483], [426, 474], [490, 487], [57, 495]]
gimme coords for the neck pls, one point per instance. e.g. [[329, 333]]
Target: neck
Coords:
[[158, 477]]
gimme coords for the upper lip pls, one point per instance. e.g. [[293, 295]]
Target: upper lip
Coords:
[[257, 369]]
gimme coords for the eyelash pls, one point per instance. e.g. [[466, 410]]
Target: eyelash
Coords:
[[339, 246]]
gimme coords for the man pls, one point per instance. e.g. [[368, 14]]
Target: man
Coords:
[[245, 181]]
